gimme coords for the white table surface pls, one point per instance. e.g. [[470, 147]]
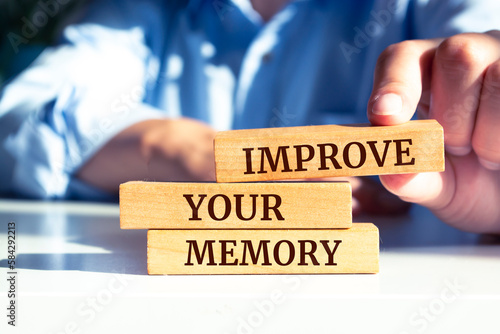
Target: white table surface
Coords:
[[79, 273]]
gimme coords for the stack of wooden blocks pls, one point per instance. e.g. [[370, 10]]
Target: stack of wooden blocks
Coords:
[[277, 227]]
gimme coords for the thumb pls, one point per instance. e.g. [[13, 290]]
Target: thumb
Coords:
[[433, 190]]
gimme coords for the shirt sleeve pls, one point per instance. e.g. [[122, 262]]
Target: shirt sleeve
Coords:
[[444, 18], [77, 96]]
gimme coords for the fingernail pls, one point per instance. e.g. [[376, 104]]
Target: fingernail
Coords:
[[489, 164], [458, 150], [388, 104]]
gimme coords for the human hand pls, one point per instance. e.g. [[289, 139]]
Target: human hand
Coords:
[[160, 150], [369, 196], [457, 82], [180, 150]]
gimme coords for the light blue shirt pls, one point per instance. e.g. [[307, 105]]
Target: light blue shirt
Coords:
[[128, 61]]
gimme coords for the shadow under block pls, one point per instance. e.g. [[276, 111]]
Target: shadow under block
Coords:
[[198, 252], [328, 150], [271, 205]]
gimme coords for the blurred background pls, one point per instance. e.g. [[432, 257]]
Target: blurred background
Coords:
[[27, 27]]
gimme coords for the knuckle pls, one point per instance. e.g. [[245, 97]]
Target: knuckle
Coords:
[[494, 32], [460, 53], [399, 49], [385, 55]]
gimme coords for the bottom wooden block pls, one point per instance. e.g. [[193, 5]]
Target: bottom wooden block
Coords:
[[209, 252]]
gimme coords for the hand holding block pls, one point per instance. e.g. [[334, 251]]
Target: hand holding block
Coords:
[[167, 205], [198, 252], [328, 150]]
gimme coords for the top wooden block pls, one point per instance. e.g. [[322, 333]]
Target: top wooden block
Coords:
[[329, 150]]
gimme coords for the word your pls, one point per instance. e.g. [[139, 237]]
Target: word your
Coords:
[[266, 206]]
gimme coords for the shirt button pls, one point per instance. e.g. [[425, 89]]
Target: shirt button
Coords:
[[267, 57]]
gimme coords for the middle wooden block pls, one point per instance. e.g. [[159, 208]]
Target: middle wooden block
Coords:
[[276, 205]]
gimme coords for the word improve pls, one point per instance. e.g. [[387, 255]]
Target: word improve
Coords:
[[328, 150], [325, 159], [162, 205], [351, 250]]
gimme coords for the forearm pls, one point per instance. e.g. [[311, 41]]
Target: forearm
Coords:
[[160, 150]]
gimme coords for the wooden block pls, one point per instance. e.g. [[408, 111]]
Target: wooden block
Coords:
[[162, 205], [207, 252], [328, 150]]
